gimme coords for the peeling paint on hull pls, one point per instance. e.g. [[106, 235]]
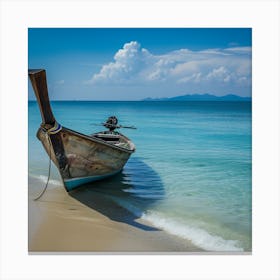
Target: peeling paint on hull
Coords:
[[86, 158]]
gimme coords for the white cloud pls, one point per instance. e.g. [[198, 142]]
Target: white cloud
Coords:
[[133, 65], [130, 63], [221, 73], [243, 50], [196, 78]]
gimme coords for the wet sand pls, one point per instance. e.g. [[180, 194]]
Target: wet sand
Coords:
[[59, 222]]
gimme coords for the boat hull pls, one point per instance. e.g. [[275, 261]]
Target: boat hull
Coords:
[[73, 183], [85, 158]]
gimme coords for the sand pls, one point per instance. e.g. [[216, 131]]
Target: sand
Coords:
[[59, 222]]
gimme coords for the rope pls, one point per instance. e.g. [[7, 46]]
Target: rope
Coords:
[[49, 173], [53, 130]]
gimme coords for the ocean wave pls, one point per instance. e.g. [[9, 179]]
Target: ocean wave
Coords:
[[51, 181], [196, 235], [44, 179]]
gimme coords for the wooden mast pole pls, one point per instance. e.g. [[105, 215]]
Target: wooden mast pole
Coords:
[[39, 84]]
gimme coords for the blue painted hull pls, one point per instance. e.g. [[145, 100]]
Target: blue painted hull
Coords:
[[71, 184]]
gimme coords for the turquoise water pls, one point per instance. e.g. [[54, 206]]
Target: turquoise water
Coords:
[[191, 173]]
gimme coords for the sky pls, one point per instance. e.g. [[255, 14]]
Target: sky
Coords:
[[136, 63]]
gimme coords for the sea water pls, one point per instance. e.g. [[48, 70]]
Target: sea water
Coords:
[[190, 174]]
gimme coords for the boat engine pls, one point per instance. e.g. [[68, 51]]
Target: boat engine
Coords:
[[111, 123]]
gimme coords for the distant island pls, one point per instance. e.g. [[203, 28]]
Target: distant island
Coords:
[[201, 97]]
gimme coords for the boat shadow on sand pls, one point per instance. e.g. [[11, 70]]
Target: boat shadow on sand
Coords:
[[125, 196]]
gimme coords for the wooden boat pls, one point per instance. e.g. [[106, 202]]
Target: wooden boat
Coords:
[[79, 158]]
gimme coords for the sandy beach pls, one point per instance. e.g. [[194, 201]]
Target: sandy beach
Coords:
[[59, 222]]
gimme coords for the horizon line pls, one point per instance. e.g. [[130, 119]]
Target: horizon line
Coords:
[[141, 100], [160, 98]]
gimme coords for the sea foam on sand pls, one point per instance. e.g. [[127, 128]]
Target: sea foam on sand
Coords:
[[59, 222]]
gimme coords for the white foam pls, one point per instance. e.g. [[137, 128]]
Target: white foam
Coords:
[[197, 236], [51, 181], [44, 179]]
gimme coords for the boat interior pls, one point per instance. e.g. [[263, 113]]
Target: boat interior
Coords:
[[114, 138]]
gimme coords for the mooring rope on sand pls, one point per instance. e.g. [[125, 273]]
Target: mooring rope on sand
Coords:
[[49, 173], [53, 130]]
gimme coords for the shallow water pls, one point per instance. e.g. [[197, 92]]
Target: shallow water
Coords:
[[191, 173]]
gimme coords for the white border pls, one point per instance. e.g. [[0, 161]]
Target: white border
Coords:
[[262, 16]]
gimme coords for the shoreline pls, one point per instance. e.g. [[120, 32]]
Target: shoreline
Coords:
[[78, 223]]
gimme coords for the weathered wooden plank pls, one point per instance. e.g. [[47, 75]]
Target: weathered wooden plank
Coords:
[[39, 84]]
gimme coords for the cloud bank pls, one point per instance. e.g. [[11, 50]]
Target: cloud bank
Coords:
[[213, 70]]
